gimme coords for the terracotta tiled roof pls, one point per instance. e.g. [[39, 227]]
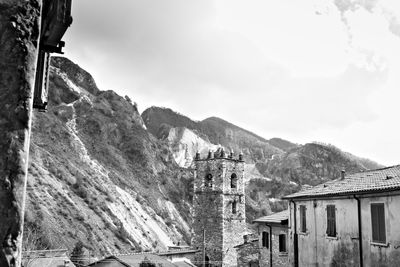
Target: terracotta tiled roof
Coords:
[[385, 179], [278, 217]]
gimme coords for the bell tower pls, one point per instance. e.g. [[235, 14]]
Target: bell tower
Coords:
[[219, 219]]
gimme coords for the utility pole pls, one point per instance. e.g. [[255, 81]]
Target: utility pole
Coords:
[[204, 247], [25, 33]]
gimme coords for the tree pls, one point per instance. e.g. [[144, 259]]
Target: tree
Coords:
[[146, 263], [78, 254]]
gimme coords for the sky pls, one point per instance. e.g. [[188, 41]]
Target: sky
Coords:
[[310, 70]]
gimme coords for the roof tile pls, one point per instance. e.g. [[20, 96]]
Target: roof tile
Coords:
[[278, 217], [384, 179]]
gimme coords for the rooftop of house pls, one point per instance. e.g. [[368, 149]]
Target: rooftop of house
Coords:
[[40, 258], [373, 181], [134, 260], [279, 218]]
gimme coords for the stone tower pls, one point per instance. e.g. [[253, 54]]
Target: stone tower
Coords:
[[219, 220]]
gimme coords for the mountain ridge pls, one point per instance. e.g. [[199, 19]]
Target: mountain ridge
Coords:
[[275, 167], [120, 181]]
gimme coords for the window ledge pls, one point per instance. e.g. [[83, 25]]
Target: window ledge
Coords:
[[283, 254], [332, 237], [380, 244], [303, 233]]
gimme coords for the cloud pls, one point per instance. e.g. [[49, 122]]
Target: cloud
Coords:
[[386, 7], [277, 69]]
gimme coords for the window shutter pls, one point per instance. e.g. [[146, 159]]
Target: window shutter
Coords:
[[282, 243], [378, 222], [265, 239], [374, 221], [331, 220], [381, 218], [303, 222], [333, 213]]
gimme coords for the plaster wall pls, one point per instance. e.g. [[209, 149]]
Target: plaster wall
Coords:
[[317, 249], [387, 254]]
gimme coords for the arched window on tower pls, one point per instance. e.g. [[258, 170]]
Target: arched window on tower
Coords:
[[233, 180], [208, 180], [234, 207]]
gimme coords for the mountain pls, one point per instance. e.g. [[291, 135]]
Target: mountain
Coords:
[[120, 181], [97, 175], [275, 167], [159, 122]]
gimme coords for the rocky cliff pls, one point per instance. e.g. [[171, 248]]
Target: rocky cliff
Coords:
[[98, 176]]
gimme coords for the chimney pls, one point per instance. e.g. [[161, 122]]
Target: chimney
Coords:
[[343, 174]]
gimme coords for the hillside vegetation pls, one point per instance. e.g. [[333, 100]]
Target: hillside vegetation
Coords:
[[98, 176]]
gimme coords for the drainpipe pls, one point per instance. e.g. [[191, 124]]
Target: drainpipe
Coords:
[[359, 230], [295, 236], [315, 231], [270, 245]]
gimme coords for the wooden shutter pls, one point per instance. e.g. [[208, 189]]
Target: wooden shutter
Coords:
[[303, 222], [265, 239], [378, 222], [282, 243], [331, 220]]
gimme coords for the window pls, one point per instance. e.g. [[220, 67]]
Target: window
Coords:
[[265, 239], [378, 222], [234, 207], [233, 180], [282, 243], [331, 220], [303, 221], [208, 180], [207, 261]]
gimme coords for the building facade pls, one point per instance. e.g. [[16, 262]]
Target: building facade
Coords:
[[248, 251], [219, 219], [273, 239], [352, 221]]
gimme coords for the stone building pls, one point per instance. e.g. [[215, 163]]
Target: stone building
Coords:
[[351, 221], [273, 237], [219, 220], [248, 251]]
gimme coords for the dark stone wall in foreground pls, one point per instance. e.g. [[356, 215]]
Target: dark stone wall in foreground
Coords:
[[19, 32]]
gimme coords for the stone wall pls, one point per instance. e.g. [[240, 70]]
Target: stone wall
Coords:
[[279, 259], [212, 210], [19, 33], [247, 254]]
